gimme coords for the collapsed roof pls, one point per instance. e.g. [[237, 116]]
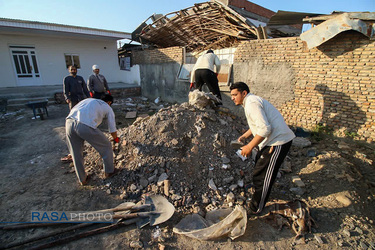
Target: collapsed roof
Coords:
[[209, 25]]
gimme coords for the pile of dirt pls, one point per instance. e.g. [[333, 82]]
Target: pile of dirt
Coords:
[[186, 145], [188, 148]]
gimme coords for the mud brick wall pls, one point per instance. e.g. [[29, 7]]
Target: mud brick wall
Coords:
[[332, 84], [153, 56]]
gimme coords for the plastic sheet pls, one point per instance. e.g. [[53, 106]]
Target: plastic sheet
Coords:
[[218, 223]]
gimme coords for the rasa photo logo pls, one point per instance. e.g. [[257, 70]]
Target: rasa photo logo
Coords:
[[71, 216]]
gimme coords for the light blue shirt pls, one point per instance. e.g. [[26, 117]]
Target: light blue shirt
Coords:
[[266, 121], [91, 112]]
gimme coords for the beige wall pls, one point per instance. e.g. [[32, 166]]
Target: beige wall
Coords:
[[332, 84]]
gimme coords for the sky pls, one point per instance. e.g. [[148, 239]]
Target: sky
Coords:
[[127, 15]]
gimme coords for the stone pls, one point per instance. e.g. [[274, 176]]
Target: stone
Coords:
[[233, 187], [240, 183], [311, 153], [205, 199], [152, 178], [301, 142], [176, 197], [162, 178], [228, 179], [363, 245], [136, 244], [230, 197], [211, 185], [358, 230], [318, 239], [225, 160], [346, 233], [143, 182], [297, 191], [343, 200], [133, 187], [286, 167], [298, 182], [131, 115]]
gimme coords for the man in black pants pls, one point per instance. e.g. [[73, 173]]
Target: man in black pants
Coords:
[[272, 137], [203, 72]]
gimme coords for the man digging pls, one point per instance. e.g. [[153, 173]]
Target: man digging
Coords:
[[82, 125]]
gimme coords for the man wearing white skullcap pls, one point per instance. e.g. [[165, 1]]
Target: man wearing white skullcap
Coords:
[[97, 84]]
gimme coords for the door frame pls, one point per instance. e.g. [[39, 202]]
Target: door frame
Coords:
[[35, 76]]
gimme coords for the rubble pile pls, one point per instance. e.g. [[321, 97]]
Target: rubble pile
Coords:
[[182, 152]]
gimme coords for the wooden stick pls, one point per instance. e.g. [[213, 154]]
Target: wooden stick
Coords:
[[84, 234], [72, 228]]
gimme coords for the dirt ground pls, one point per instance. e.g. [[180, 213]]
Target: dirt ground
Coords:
[[338, 174]]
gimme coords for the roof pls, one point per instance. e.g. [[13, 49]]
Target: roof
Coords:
[[15, 24], [328, 26], [210, 25]]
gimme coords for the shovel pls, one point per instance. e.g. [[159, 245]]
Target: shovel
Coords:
[[161, 211]]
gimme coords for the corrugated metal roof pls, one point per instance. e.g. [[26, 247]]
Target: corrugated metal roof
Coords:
[[330, 26], [53, 27]]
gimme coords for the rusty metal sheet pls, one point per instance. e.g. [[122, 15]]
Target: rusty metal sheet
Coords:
[[330, 28]]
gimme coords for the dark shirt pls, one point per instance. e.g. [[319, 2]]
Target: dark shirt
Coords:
[[75, 88]]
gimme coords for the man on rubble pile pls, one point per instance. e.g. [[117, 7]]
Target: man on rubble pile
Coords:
[[203, 73], [82, 125], [97, 84], [271, 136]]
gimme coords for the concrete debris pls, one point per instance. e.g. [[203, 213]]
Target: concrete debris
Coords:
[[301, 142], [184, 152]]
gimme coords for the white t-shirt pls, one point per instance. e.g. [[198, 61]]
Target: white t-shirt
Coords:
[[266, 121], [206, 61], [91, 112]]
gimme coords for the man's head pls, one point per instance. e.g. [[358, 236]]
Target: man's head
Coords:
[[238, 92], [95, 68], [210, 51], [108, 99], [73, 70]]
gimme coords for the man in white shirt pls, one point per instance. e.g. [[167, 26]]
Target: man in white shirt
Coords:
[[271, 136], [82, 125], [203, 72]]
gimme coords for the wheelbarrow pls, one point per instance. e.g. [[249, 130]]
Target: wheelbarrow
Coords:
[[39, 108]]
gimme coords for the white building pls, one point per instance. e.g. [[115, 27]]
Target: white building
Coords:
[[37, 54]]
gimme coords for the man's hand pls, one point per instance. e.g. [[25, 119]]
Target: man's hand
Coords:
[[192, 85], [67, 100], [246, 150]]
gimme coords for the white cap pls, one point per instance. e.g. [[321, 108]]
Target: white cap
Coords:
[[95, 67]]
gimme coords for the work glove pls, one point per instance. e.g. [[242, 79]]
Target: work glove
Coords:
[[91, 94], [117, 140], [192, 85], [109, 93]]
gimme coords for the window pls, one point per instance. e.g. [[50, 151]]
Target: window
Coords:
[[72, 59]]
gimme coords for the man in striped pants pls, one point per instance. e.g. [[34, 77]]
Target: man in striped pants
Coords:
[[271, 136]]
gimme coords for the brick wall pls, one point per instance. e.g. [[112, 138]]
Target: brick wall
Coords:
[[331, 84], [154, 56]]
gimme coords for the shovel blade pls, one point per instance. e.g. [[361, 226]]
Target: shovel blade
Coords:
[[163, 208]]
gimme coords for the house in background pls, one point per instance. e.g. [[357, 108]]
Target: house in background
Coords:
[[38, 54]]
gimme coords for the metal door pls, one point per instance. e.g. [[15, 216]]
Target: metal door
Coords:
[[25, 65]]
